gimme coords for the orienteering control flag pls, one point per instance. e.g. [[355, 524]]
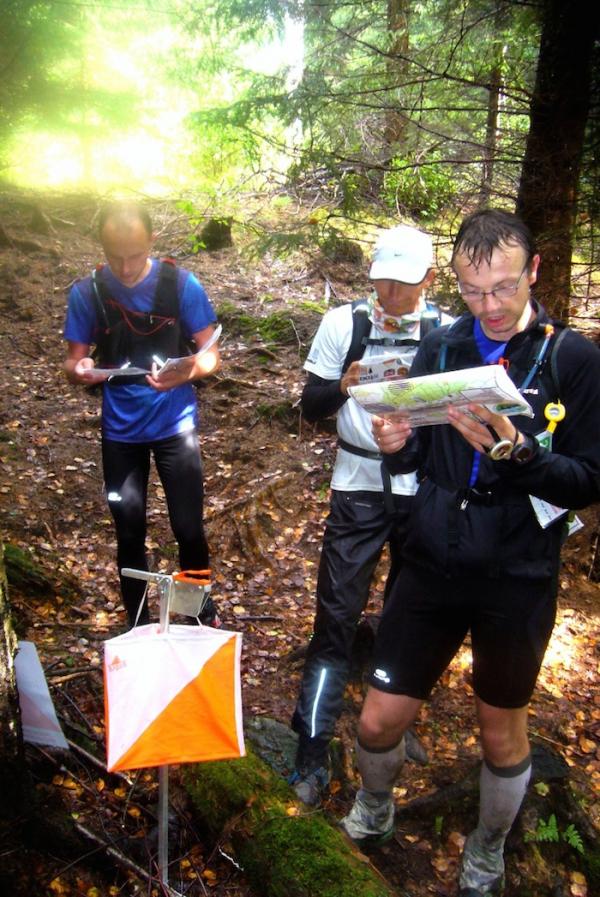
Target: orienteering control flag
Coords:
[[172, 697]]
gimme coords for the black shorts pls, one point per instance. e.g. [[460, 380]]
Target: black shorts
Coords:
[[428, 615]]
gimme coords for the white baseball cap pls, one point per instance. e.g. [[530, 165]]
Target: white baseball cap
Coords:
[[402, 253]]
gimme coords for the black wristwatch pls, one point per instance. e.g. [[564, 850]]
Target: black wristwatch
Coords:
[[502, 448], [524, 451]]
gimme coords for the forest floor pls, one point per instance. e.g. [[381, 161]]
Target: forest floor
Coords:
[[266, 476]]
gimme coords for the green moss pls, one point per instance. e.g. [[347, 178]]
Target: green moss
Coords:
[[22, 570], [282, 854], [274, 328], [304, 856], [310, 305], [222, 789], [281, 411]]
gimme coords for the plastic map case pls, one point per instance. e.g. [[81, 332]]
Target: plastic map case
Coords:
[[424, 400]]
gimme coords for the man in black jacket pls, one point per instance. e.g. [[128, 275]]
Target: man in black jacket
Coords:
[[484, 536]]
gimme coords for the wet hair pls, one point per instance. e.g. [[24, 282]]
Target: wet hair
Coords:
[[486, 230], [123, 213]]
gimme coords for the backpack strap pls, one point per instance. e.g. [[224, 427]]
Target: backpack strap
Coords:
[[361, 327], [443, 355], [430, 319], [166, 296], [553, 361], [100, 299]]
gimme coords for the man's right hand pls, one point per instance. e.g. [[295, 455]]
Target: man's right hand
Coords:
[[390, 435], [83, 371], [350, 378]]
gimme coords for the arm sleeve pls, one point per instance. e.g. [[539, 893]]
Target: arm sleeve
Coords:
[[407, 459], [321, 398]]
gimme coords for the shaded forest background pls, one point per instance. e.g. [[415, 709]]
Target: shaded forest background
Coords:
[[348, 114], [290, 131]]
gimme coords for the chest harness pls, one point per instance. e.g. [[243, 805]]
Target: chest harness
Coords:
[[124, 335], [361, 328]]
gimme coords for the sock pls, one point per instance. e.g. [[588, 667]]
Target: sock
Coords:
[[379, 768], [501, 792]]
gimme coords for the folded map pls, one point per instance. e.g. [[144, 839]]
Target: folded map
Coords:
[[424, 400]]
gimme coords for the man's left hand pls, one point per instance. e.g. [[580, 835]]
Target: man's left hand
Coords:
[[474, 426], [176, 376]]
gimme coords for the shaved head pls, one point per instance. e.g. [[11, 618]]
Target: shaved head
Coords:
[[124, 216]]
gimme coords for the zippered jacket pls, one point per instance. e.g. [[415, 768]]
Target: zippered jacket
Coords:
[[492, 528]]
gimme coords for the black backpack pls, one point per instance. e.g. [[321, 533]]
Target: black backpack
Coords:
[[125, 335]]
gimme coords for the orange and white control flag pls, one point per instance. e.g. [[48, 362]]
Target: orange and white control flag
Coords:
[[172, 697]]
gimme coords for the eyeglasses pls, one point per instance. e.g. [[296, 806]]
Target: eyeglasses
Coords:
[[505, 292]]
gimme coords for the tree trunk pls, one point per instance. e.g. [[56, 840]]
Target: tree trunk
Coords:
[[397, 19], [558, 115], [12, 759], [493, 109], [281, 850]]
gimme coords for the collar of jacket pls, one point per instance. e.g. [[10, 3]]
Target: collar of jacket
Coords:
[[461, 332]]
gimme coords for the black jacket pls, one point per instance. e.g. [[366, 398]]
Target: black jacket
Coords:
[[499, 533]]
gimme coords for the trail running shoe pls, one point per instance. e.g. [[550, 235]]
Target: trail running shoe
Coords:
[[371, 819], [492, 890], [310, 786], [482, 866]]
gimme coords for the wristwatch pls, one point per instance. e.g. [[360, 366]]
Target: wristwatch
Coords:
[[524, 451], [502, 448]]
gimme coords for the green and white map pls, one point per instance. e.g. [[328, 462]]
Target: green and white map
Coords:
[[424, 400]]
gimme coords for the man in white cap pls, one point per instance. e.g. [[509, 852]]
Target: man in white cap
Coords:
[[367, 510]]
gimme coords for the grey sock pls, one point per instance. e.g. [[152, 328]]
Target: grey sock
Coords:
[[502, 790], [501, 793], [379, 769]]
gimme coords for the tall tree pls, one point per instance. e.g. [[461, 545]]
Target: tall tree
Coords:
[[46, 74], [560, 106], [494, 101], [397, 65]]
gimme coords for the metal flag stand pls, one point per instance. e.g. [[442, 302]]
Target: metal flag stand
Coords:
[[183, 593]]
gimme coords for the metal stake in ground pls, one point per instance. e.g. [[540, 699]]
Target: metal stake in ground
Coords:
[[168, 589]]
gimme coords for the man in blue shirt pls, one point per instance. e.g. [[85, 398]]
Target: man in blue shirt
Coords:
[[118, 309]]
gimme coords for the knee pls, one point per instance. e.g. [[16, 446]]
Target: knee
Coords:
[[504, 745], [376, 732], [370, 728]]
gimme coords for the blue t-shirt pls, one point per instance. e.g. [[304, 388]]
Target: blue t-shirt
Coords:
[[134, 412]]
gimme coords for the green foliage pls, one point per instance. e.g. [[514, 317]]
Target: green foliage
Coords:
[[573, 838], [424, 190], [387, 99], [323, 491], [47, 81], [548, 832]]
